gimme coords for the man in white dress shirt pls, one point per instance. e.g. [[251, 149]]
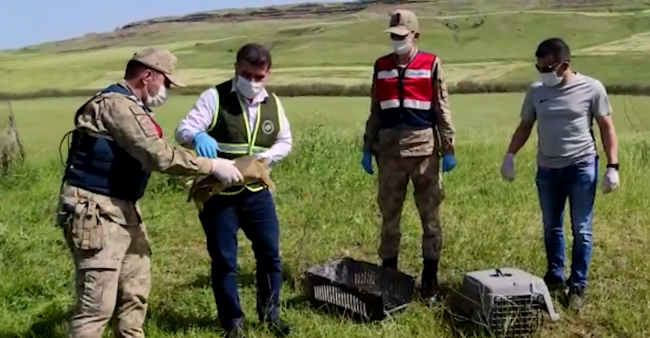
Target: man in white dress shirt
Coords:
[[237, 118]]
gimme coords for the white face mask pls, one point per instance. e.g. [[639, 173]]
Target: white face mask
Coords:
[[550, 79], [402, 47], [158, 99], [248, 89]]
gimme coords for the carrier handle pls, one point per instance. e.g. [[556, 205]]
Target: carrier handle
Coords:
[[500, 273]]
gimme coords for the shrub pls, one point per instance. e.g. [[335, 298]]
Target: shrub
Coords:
[[327, 89]]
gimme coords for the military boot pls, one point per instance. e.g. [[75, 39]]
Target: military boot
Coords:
[[390, 263], [430, 290], [235, 332]]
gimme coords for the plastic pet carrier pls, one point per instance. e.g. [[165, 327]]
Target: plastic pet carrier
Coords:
[[508, 301], [367, 290]]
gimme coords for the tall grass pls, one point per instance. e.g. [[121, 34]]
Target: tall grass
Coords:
[[327, 209]]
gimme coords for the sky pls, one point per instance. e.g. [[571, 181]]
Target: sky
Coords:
[[30, 22]]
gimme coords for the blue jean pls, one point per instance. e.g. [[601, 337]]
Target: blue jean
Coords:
[[578, 183], [255, 214]]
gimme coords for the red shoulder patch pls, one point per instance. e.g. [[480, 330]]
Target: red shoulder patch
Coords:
[[158, 129]]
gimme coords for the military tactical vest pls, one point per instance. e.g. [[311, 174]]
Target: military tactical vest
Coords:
[[231, 128], [98, 164]]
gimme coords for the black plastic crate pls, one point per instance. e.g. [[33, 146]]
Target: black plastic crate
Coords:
[[368, 290]]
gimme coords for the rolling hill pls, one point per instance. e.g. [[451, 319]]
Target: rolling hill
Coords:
[[337, 43]]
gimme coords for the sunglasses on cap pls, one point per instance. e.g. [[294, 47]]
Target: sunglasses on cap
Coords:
[[551, 68]]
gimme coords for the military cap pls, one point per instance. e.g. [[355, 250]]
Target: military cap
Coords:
[[161, 60], [403, 22]]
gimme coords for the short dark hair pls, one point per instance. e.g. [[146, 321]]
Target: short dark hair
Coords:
[[133, 69], [255, 54], [554, 47]]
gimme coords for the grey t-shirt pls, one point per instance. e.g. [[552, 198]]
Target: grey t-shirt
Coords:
[[564, 116]]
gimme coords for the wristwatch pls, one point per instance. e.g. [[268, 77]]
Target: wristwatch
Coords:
[[612, 165]]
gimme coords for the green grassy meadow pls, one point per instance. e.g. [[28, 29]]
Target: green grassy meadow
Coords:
[[327, 208], [326, 202], [489, 46]]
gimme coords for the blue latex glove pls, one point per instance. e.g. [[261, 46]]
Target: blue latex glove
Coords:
[[205, 145], [448, 163], [366, 162]]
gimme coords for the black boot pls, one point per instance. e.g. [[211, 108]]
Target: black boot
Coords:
[[576, 298], [235, 332], [390, 263], [556, 287], [430, 290], [279, 327]]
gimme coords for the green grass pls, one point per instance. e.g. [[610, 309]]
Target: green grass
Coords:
[[326, 203], [327, 209], [340, 49], [610, 70]]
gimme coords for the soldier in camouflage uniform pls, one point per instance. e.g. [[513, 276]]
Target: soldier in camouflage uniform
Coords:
[[408, 129], [115, 146]]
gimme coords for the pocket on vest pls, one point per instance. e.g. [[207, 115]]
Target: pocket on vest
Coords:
[[89, 233]]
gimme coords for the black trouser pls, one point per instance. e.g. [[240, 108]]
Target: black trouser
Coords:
[[255, 214]]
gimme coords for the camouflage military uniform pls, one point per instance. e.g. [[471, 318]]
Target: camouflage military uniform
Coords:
[[405, 153], [106, 235]]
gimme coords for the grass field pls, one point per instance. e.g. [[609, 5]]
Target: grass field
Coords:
[[326, 203], [487, 224]]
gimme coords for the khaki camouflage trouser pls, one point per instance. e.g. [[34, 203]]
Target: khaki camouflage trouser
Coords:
[[394, 176], [112, 259]]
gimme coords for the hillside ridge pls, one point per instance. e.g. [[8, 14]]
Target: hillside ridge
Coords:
[[355, 9], [312, 10], [485, 41], [302, 11]]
